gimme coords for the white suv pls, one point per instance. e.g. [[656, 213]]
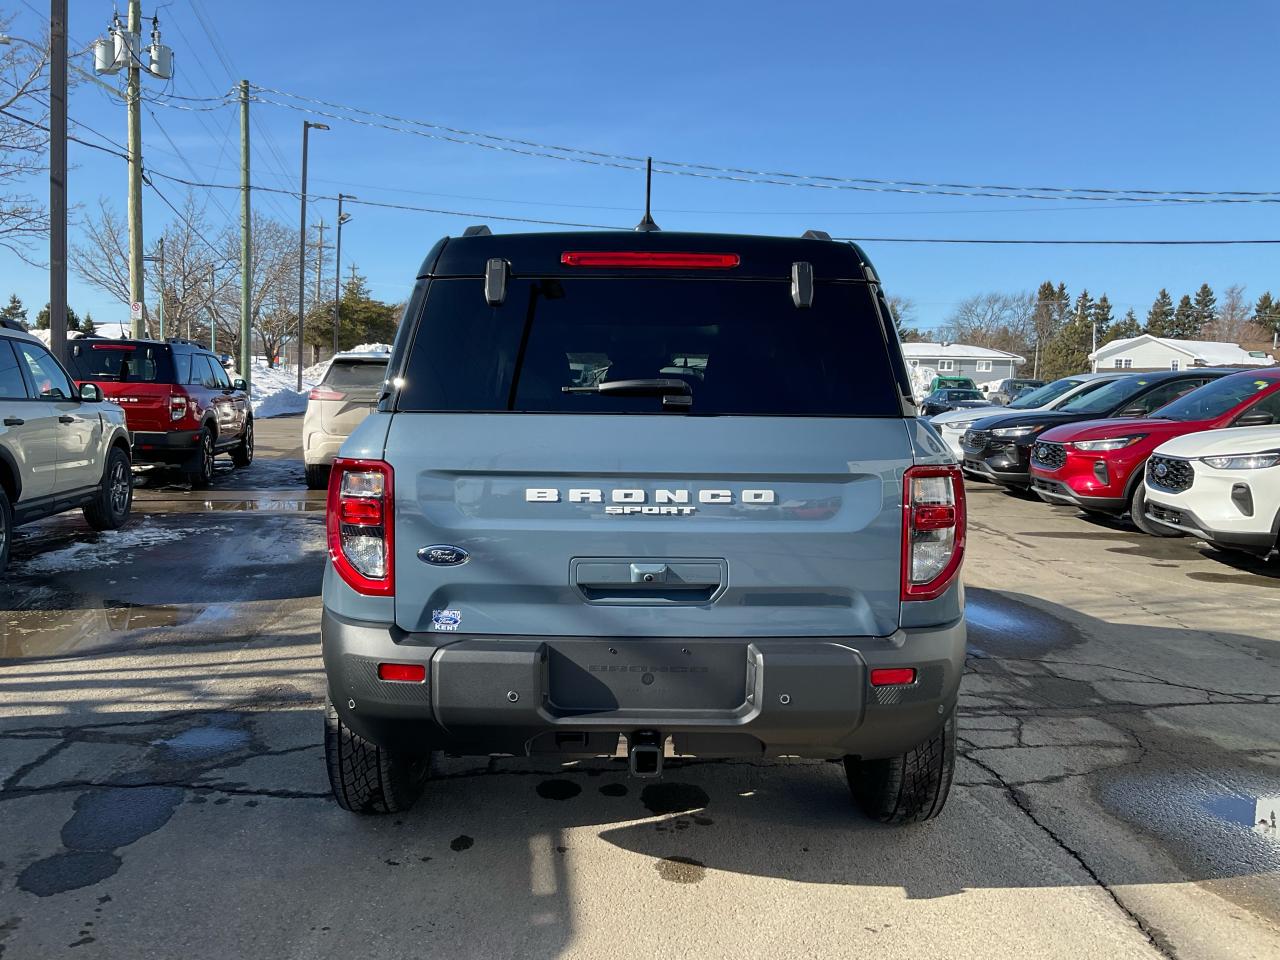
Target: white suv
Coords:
[[346, 394], [1220, 485], [953, 424], [60, 448]]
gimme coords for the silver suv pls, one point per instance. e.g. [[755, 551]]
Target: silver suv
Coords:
[[659, 493], [60, 448]]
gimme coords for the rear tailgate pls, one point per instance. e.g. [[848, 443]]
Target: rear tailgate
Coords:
[[145, 405], [750, 526]]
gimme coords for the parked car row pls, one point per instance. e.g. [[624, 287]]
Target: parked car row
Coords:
[[71, 438], [1178, 452]]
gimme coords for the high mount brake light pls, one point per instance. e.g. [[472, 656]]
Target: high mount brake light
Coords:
[[113, 346], [933, 530], [654, 260], [325, 393], [359, 523]]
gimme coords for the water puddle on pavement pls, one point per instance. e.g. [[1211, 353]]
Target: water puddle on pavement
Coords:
[[287, 503], [220, 735], [1215, 832], [43, 633], [1001, 626]]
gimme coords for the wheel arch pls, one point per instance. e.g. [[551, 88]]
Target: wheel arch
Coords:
[[10, 476]]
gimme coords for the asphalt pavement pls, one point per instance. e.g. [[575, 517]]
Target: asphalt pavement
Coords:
[[163, 795]]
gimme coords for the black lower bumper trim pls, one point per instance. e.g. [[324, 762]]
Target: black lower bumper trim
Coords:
[[766, 696]]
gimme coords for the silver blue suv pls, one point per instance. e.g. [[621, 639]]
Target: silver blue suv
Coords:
[[653, 494]]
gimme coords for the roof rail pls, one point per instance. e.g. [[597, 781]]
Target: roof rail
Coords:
[[477, 230], [816, 235]]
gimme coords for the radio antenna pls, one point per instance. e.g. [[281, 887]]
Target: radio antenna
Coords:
[[647, 225]]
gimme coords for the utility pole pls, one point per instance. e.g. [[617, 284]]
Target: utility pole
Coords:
[[307, 126], [320, 249], [120, 50], [133, 102], [337, 268], [58, 178], [246, 242]]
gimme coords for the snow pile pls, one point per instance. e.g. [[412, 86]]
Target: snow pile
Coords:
[[275, 392], [370, 348]]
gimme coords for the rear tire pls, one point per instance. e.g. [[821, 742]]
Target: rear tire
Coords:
[[110, 508], [201, 472], [366, 778], [242, 455], [6, 528], [1138, 514], [317, 476], [911, 788]]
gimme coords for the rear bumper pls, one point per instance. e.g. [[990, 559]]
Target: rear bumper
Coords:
[[716, 697], [319, 449], [173, 446]]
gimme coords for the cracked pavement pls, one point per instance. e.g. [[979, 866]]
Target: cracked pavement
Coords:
[[163, 794]]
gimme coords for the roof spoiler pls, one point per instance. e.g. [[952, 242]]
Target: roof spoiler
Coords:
[[477, 230]]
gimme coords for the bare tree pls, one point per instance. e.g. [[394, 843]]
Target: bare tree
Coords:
[[23, 220], [1233, 322], [101, 258], [273, 289], [999, 321]]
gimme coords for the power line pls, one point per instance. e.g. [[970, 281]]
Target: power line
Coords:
[[533, 148]]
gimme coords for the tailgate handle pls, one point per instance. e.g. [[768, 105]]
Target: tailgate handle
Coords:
[[650, 581]]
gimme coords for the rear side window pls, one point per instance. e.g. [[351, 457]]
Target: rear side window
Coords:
[[741, 346], [119, 362], [355, 375], [182, 365], [12, 384]]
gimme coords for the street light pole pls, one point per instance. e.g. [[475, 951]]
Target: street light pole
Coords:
[[337, 268], [307, 126]]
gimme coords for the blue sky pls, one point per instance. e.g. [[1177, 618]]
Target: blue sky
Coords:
[[1139, 95]]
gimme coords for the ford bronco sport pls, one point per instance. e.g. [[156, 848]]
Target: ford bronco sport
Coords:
[[663, 493], [182, 406]]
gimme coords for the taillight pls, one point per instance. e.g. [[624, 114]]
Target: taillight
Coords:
[[650, 259], [933, 530], [325, 393], [359, 524], [177, 406]]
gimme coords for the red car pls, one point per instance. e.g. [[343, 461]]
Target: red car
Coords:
[[1098, 465], [181, 406]]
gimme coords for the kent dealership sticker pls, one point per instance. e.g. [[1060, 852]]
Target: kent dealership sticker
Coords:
[[446, 619]]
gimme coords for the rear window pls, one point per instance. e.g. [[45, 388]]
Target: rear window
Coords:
[[121, 362], [742, 347], [356, 374]]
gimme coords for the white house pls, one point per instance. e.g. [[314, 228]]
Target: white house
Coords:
[[962, 360], [1161, 353]]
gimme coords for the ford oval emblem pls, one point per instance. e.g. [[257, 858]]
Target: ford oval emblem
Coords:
[[443, 555], [1161, 469]]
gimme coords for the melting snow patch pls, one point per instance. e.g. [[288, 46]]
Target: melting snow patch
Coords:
[[107, 549]]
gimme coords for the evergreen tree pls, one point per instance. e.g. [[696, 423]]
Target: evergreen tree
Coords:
[[15, 310], [42, 319], [1160, 316], [87, 326], [1185, 325], [1206, 309], [1102, 319], [1068, 351], [1266, 313], [1127, 328]]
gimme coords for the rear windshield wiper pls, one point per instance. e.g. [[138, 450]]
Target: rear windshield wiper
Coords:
[[674, 393]]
